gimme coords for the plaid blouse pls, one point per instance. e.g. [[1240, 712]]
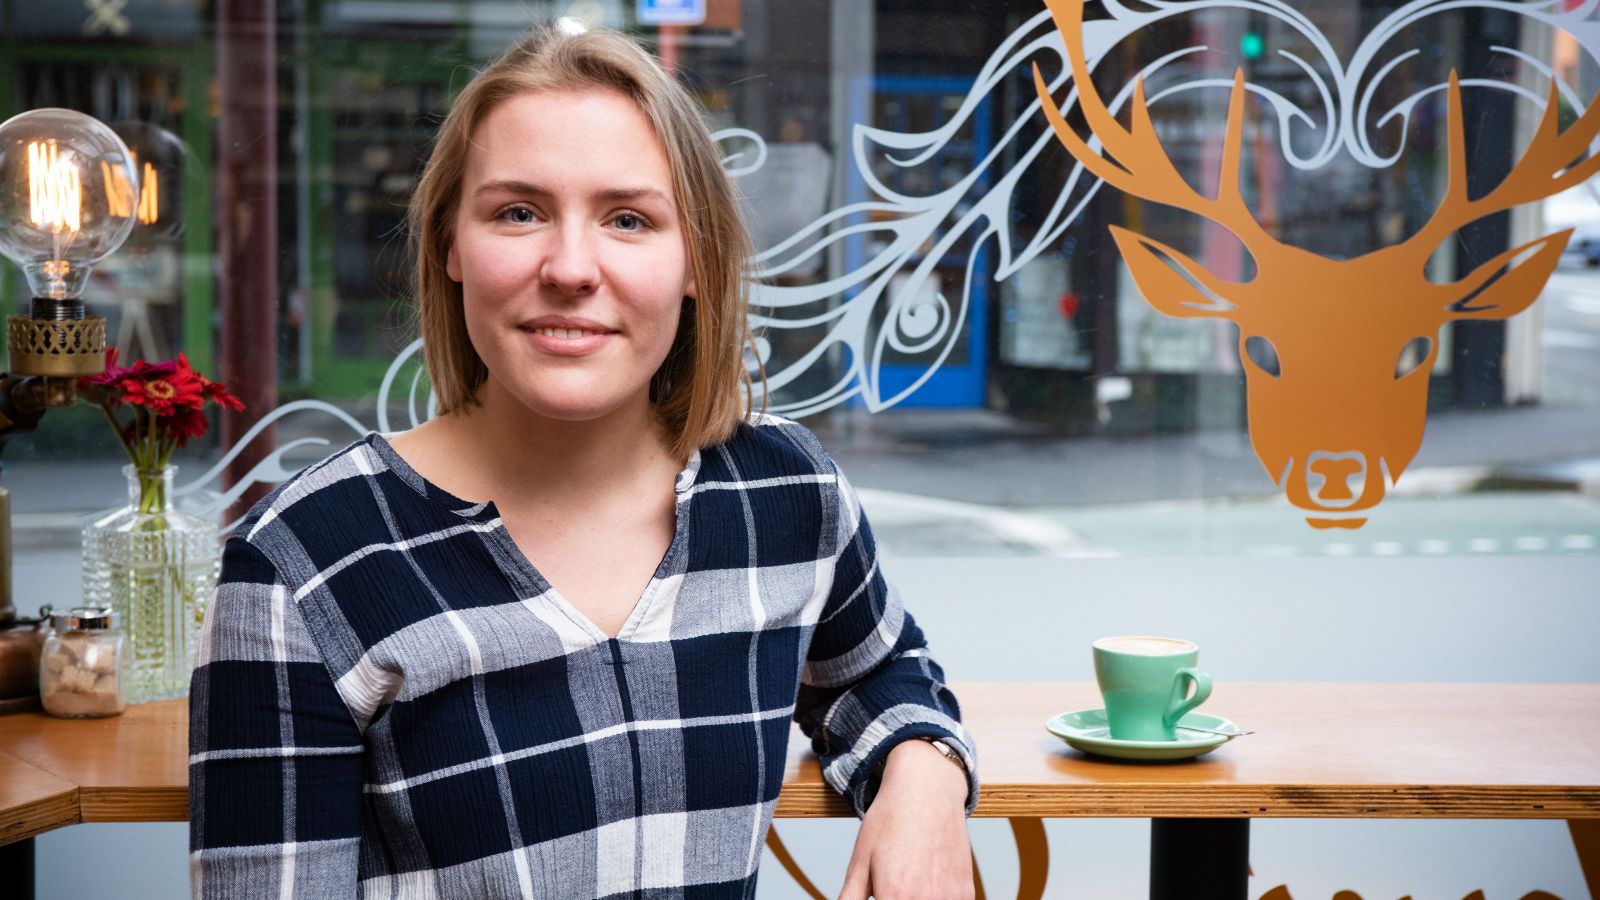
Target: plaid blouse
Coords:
[[389, 700]]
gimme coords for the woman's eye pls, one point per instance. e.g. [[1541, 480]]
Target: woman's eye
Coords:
[[629, 222], [518, 215]]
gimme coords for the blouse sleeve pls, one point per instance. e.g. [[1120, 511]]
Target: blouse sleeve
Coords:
[[275, 757], [869, 682]]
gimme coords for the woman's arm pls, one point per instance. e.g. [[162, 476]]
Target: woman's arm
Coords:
[[869, 683], [275, 758], [870, 690]]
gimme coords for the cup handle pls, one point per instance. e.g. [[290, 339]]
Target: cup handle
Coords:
[[1177, 706]]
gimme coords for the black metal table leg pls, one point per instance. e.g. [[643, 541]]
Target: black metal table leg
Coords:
[[16, 869], [1199, 859]]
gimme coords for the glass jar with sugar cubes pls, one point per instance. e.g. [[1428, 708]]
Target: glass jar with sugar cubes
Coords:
[[83, 664]]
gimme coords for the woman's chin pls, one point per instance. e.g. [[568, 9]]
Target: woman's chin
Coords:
[[581, 408], [558, 396]]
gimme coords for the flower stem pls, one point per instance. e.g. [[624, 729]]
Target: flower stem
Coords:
[[116, 429]]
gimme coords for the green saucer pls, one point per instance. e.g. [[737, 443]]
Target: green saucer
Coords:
[[1087, 730]]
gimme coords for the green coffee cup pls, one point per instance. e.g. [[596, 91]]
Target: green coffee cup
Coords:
[[1145, 682]]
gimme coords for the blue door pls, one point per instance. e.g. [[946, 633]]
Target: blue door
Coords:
[[913, 104]]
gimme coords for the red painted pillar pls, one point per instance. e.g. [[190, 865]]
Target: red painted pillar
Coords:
[[247, 227]]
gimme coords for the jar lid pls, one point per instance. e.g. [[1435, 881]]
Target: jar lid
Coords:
[[85, 618]]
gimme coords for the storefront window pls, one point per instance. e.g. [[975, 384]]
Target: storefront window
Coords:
[[938, 289]]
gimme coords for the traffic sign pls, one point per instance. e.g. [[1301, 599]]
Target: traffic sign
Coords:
[[671, 12]]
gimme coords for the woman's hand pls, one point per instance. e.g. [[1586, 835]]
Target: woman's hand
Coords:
[[913, 840]]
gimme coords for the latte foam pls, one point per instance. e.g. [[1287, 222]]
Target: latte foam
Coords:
[[1145, 646]]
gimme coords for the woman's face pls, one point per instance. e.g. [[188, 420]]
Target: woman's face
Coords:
[[568, 248]]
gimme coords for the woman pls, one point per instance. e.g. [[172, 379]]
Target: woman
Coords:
[[550, 642]]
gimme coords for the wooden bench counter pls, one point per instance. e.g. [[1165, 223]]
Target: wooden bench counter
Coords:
[[1320, 750]]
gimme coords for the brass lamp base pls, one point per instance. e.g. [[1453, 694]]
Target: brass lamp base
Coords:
[[59, 348]]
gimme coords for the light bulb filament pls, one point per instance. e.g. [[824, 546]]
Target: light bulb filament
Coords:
[[54, 192], [119, 193], [148, 210]]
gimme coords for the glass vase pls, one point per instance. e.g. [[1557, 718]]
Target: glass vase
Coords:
[[157, 567]]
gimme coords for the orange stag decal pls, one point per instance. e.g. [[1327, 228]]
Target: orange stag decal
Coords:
[[1336, 353]]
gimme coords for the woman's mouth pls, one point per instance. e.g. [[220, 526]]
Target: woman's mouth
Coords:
[[565, 332], [568, 341]]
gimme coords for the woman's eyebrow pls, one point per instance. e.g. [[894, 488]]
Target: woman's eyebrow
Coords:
[[638, 193], [513, 186]]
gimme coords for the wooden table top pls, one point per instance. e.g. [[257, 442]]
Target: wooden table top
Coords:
[[127, 768], [1319, 750], [33, 801], [1518, 751]]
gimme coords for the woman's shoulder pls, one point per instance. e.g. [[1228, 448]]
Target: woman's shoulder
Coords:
[[767, 446], [326, 504]]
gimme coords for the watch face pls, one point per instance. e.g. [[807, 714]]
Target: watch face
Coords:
[[949, 751]]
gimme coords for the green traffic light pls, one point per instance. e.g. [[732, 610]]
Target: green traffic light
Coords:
[[1251, 45]]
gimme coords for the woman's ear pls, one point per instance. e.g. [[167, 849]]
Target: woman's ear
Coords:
[[452, 266], [690, 290]]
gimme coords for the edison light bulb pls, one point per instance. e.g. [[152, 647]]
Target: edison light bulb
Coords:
[[161, 158], [69, 195]]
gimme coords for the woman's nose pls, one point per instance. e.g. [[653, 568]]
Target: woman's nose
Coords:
[[569, 263]]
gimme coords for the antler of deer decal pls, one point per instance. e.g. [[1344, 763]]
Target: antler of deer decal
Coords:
[[1340, 416]]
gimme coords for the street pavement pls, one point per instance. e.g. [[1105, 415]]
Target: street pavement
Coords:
[[1519, 481], [1571, 338]]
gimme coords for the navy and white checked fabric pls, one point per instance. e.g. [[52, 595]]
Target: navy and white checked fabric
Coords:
[[390, 701]]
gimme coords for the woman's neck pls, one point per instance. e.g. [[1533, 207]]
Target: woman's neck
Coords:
[[520, 456]]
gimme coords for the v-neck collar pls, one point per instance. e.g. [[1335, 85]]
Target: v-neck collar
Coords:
[[515, 564]]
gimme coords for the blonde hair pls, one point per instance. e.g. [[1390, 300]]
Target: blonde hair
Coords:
[[703, 388]]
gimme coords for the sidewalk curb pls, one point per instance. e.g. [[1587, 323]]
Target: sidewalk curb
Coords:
[[1577, 475]]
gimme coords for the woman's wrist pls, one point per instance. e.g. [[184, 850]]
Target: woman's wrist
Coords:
[[919, 761]]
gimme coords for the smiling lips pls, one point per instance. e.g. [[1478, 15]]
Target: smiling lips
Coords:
[[567, 337]]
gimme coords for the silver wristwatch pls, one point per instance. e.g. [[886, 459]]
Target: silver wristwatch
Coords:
[[948, 751]]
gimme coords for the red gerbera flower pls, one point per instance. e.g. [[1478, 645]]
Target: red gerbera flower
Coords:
[[112, 373], [107, 387], [142, 369], [183, 425], [163, 393], [174, 394], [216, 390], [213, 390]]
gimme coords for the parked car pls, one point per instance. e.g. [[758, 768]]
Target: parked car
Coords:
[[1586, 243]]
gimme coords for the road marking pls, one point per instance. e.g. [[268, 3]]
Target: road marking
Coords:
[[1587, 302], [1572, 283], [1483, 545], [1530, 543], [1560, 337], [1340, 550], [1432, 480], [1046, 537], [29, 521], [1578, 542], [1388, 548], [1433, 545]]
